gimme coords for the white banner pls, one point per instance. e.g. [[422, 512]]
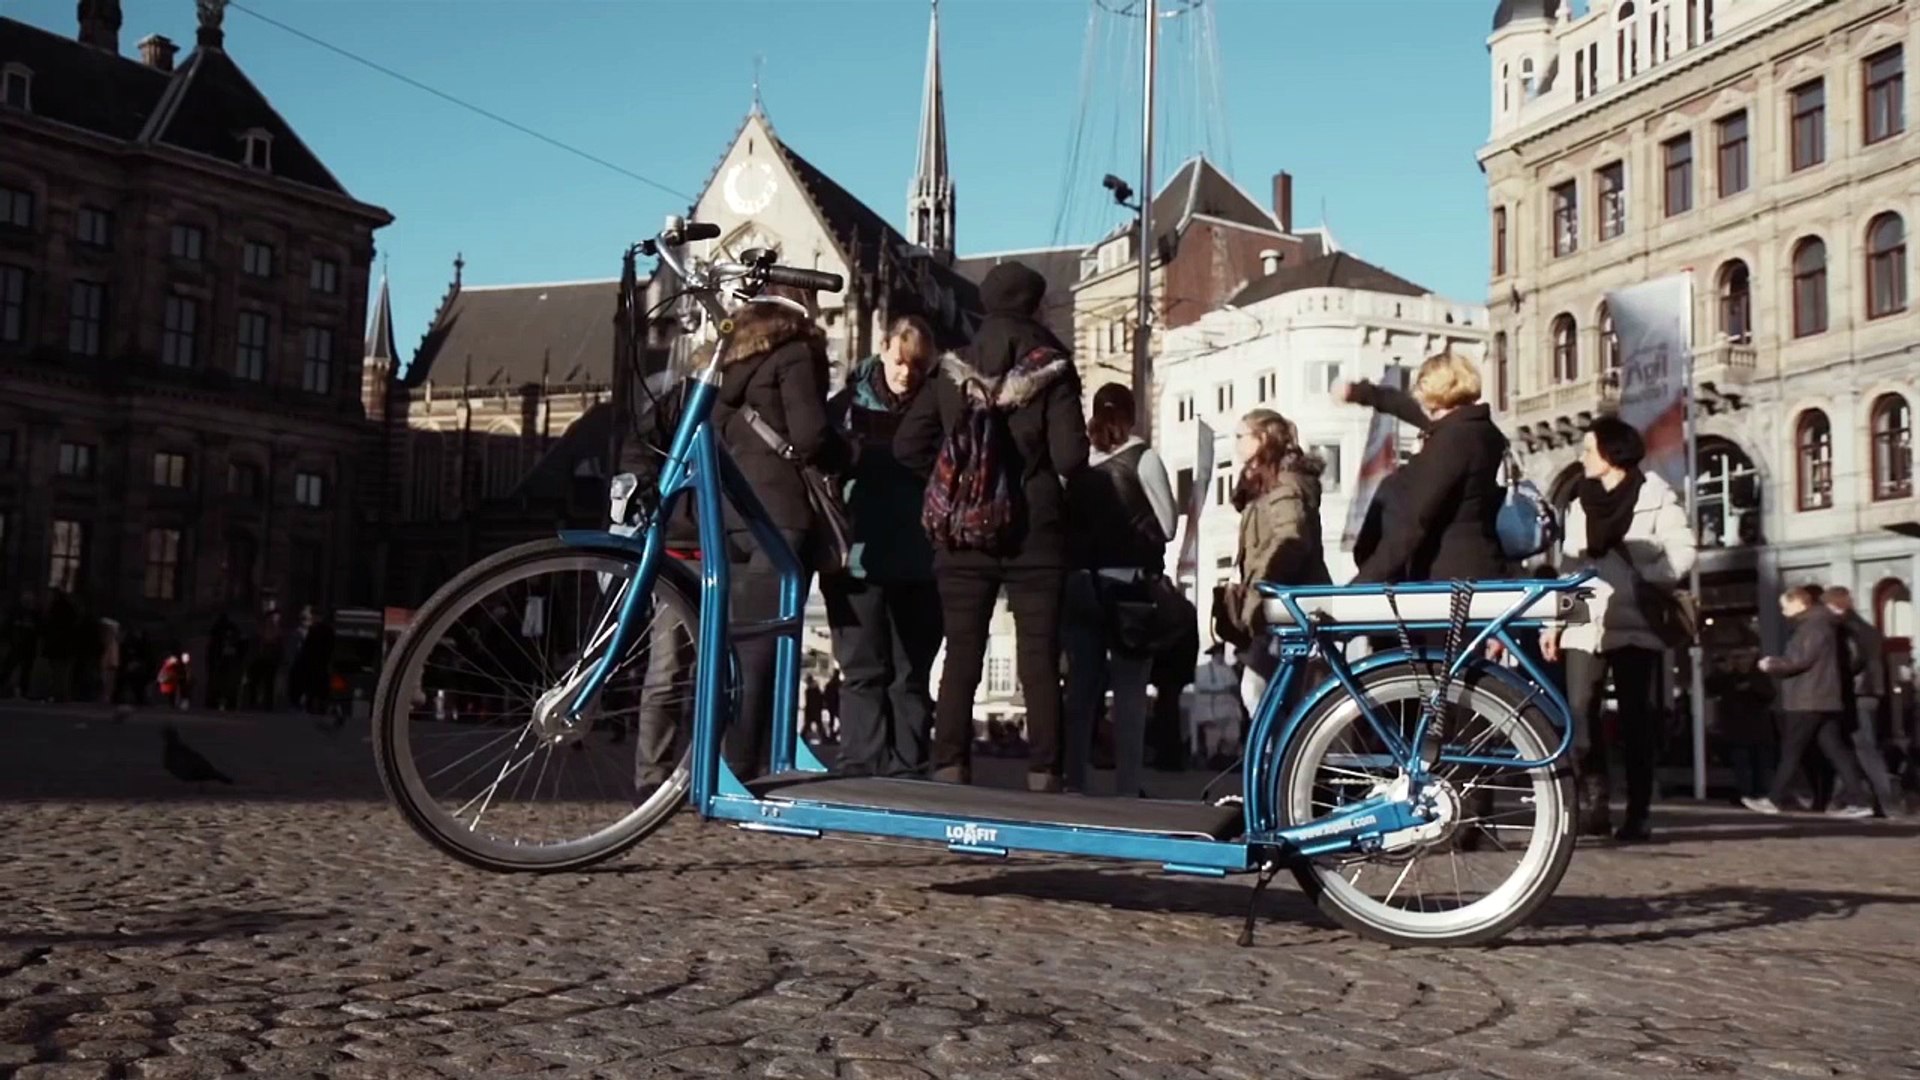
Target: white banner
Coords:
[[1381, 456], [1189, 566], [1654, 322]]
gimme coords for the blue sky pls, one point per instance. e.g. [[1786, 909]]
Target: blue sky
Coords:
[[1375, 106]]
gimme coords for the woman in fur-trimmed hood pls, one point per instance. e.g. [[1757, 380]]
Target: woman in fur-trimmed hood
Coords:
[[776, 366], [1045, 445]]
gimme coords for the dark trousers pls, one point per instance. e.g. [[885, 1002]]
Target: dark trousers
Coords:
[[885, 636], [666, 699], [1866, 745], [755, 598], [1636, 675], [967, 595], [1800, 732]]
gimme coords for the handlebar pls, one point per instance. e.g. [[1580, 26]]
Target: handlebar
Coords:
[[814, 280], [707, 278]]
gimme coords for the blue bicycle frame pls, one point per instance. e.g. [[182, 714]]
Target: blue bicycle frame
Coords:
[[994, 823]]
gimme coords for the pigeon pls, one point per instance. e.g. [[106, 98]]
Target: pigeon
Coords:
[[186, 763]]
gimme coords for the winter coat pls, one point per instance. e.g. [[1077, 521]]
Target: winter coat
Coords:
[[1867, 653], [1123, 512], [1046, 433], [1447, 498], [1280, 538], [1659, 552], [1812, 672], [776, 364], [883, 497]]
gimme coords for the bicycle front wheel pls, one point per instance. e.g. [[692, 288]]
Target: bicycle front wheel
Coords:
[[1510, 834], [469, 745]]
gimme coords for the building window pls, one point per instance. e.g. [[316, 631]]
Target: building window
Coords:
[[1527, 80], [1813, 457], [1502, 378], [1000, 675], [1265, 387], [1609, 341], [94, 227], [1809, 287], [1886, 94], [1728, 496], [1566, 218], [324, 276], [309, 574], [1626, 44], [243, 480], [1886, 266], [309, 489], [66, 555], [13, 304], [16, 87], [1222, 488], [1892, 427], [1612, 181], [1580, 75], [182, 321], [250, 361], [187, 242], [1321, 376], [1893, 609], [16, 208], [1506, 88], [243, 566], [1809, 103], [1183, 488], [1706, 20], [163, 564], [316, 376], [1566, 349], [1677, 153], [1499, 241], [87, 321], [1183, 408], [1736, 302], [1223, 397], [1732, 163], [169, 470], [1329, 453], [257, 150], [256, 258], [76, 460]]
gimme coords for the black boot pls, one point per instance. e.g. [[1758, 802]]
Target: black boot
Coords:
[[1595, 820]]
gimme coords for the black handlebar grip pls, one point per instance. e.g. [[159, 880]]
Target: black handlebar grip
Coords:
[[699, 230], [811, 280]]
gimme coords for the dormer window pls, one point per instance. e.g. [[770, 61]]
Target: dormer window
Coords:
[[16, 87], [257, 150]]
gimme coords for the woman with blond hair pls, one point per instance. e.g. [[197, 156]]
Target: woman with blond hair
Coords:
[[1278, 496], [1448, 495]]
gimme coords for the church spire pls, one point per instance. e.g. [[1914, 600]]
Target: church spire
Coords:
[[930, 200], [380, 344]]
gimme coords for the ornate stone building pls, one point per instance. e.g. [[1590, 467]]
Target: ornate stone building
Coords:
[[1765, 146], [181, 285]]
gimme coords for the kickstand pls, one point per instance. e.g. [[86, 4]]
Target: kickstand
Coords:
[[1253, 903]]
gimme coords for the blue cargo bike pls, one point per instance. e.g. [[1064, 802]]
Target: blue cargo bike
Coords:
[[1419, 795]]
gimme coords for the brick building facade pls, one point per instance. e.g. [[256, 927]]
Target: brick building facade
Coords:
[[182, 287]]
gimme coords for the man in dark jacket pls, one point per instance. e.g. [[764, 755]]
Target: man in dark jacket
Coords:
[[1811, 702], [1865, 652], [1045, 445]]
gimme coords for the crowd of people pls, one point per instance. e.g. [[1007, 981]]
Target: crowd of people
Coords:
[[1076, 543]]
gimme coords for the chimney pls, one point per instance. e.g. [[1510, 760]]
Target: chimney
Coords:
[[100, 24], [1283, 200], [1269, 262], [157, 52]]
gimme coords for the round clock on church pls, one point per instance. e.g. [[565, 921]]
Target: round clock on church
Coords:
[[749, 187]]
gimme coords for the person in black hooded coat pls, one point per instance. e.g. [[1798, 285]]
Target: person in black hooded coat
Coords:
[[1046, 446], [776, 365]]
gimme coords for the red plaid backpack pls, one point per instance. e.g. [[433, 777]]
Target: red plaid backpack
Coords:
[[969, 505]]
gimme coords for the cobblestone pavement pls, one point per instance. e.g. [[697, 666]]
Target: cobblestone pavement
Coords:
[[293, 926]]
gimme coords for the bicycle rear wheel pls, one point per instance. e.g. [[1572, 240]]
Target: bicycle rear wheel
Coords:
[[469, 756], [1510, 834]]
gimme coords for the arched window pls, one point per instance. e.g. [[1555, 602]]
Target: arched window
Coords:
[[1893, 608], [1813, 460], [1499, 241], [1609, 341], [1886, 266], [1502, 379], [16, 87], [1809, 287], [1892, 427], [1526, 79], [1728, 494], [1625, 42], [1566, 348], [1736, 301], [1506, 88]]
